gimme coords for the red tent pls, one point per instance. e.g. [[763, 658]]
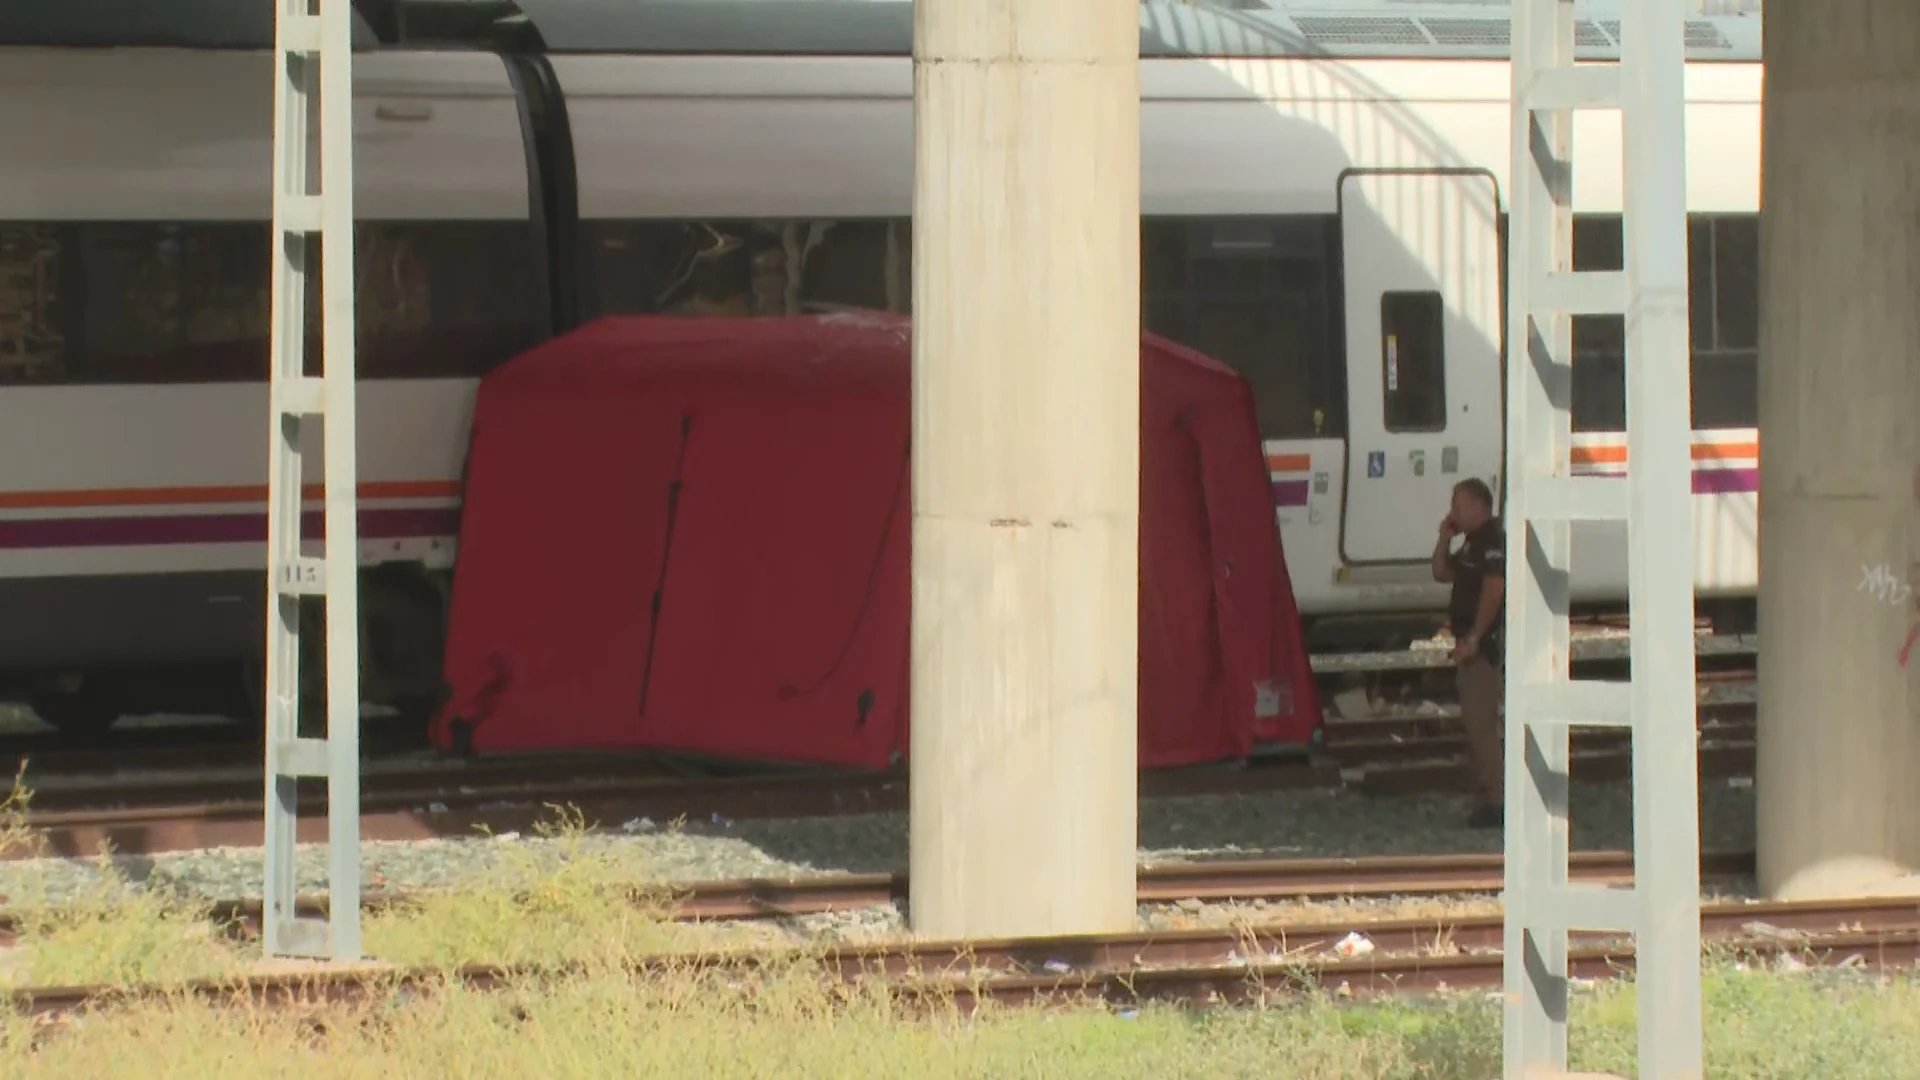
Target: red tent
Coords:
[[693, 534]]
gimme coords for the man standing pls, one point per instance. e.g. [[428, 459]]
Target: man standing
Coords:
[[1478, 574]]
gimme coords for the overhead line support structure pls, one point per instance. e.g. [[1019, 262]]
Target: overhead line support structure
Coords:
[[1654, 502], [312, 234]]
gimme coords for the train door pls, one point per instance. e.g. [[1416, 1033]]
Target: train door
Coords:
[[1422, 255]]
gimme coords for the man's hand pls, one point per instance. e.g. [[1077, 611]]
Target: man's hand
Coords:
[[1447, 528], [1464, 650]]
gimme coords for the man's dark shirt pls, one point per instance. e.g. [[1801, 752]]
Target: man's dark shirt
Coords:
[[1483, 555]]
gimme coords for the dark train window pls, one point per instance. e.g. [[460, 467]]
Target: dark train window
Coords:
[[33, 340], [438, 299], [1598, 243], [749, 267], [189, 302], [1259, 294], [1413, 361], [1599, 341], [1723, 267], [1736, 282], [1700, 282], [1726, 372], [1726, 391], [1253, 293]]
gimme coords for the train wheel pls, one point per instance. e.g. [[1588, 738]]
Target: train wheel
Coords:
[[88, 711]]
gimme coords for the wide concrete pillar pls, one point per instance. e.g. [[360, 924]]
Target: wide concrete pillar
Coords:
[[1838, 778], [1026, 352]]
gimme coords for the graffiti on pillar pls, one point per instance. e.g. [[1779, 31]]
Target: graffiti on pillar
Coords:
[[1913, 574], [1881, 583], [1913, 620]]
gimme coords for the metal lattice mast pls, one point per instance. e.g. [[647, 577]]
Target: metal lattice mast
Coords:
[[313, 85], [1655, 502]]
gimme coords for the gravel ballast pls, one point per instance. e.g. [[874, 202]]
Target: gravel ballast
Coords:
[[1285, 824]]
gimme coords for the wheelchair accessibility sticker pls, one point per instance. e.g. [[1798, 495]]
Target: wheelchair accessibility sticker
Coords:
[[1376, 464]]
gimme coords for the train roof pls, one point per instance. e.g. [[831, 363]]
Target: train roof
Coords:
[[1252, 29]]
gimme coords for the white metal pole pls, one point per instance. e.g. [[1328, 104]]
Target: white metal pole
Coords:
[[313, 81], [1544, 499]]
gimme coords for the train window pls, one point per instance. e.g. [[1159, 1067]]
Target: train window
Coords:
[[1599, 341], [439, 299], [1413, 360], [749, 267], [1726, 391], [1700, 282], [1726, 373], [1599, 390], [1260, 295], [1723, 261], [1251, 292], [189, 302], [1736, 282], [32, 328], [1598, 243]]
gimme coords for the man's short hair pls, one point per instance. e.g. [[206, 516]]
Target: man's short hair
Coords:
[[1477, 488]]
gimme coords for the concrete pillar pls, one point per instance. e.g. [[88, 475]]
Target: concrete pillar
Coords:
[[1026, 351], [1838, 777]]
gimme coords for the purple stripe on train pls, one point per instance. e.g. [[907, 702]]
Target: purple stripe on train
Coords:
[[1705, 482], [1289, 493], [1712, 481], [1725, 481], [393, 524]]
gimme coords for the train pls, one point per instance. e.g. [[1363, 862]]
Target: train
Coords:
[[1323, 203]]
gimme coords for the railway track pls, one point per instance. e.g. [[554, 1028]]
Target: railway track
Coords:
[[224, 761], [204, 742], [80, 802], [1395, 737], [1207, 967], [1214, 882], [516, 794], [1592, 645], [437, 813], [227, 773]]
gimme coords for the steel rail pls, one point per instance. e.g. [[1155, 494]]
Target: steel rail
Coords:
[[1205, 966], [1222, 882]]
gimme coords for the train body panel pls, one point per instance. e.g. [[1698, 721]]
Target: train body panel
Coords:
[[134, 384], [171, 479], [182, 135], [1309, 475], [1316, 222], [682, 137]]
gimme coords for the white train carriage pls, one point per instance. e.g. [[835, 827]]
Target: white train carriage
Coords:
[[1323, 193]]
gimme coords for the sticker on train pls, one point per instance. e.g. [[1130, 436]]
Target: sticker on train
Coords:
[[1450, 459], [1319, 483], [1419, 460], [1376, 464]]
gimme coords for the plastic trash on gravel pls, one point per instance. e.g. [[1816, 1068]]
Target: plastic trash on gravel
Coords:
[[1355, 944]]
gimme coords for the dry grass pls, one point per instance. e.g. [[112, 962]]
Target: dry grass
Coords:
[[781, 1024], [588, 909], [783, 1021], [112, 933]]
